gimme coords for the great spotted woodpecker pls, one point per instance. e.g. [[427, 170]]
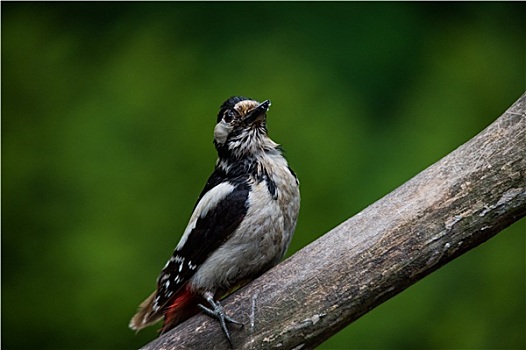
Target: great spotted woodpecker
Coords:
[[241, 225]]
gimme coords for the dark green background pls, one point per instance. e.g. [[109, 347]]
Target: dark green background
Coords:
[[107, 118]]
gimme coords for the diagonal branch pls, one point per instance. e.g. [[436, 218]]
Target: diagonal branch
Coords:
[[453, 206]]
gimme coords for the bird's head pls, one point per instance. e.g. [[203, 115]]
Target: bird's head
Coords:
[[241, 127]]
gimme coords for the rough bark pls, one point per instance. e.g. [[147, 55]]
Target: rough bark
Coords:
[[453, 206]]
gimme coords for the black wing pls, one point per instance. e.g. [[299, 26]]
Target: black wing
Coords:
[[210, 232]]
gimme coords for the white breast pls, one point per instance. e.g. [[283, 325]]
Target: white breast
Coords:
[[262, 237]]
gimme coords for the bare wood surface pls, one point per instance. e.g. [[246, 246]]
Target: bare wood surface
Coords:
[[451, 207]]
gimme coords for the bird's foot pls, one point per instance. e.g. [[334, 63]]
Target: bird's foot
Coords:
[[216, 311]]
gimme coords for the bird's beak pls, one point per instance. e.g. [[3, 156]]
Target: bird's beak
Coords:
[[257, 113]]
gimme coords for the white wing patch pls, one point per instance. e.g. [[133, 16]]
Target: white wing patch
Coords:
[[207, 202]]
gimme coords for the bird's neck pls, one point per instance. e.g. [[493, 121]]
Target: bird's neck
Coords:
[[249, 163]]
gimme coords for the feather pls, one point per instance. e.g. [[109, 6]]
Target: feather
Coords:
[[144, 316]]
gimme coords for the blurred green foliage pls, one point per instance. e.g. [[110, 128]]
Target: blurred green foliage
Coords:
[[107, 118]]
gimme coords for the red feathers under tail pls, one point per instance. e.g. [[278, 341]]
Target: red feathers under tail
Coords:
[[182, 307]]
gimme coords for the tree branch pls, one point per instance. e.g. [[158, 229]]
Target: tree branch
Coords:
[[446, 210]]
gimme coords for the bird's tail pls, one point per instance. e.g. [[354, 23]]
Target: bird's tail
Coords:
[[181, 306], [145, 315]]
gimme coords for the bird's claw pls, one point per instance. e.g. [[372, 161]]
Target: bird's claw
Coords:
[[218, 313]]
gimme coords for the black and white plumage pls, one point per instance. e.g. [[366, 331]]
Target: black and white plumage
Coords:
[[241, 225]]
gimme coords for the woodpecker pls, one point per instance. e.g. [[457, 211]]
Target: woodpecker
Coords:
[[240, 227]]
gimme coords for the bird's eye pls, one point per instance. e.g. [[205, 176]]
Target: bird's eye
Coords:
[[228, 116]]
